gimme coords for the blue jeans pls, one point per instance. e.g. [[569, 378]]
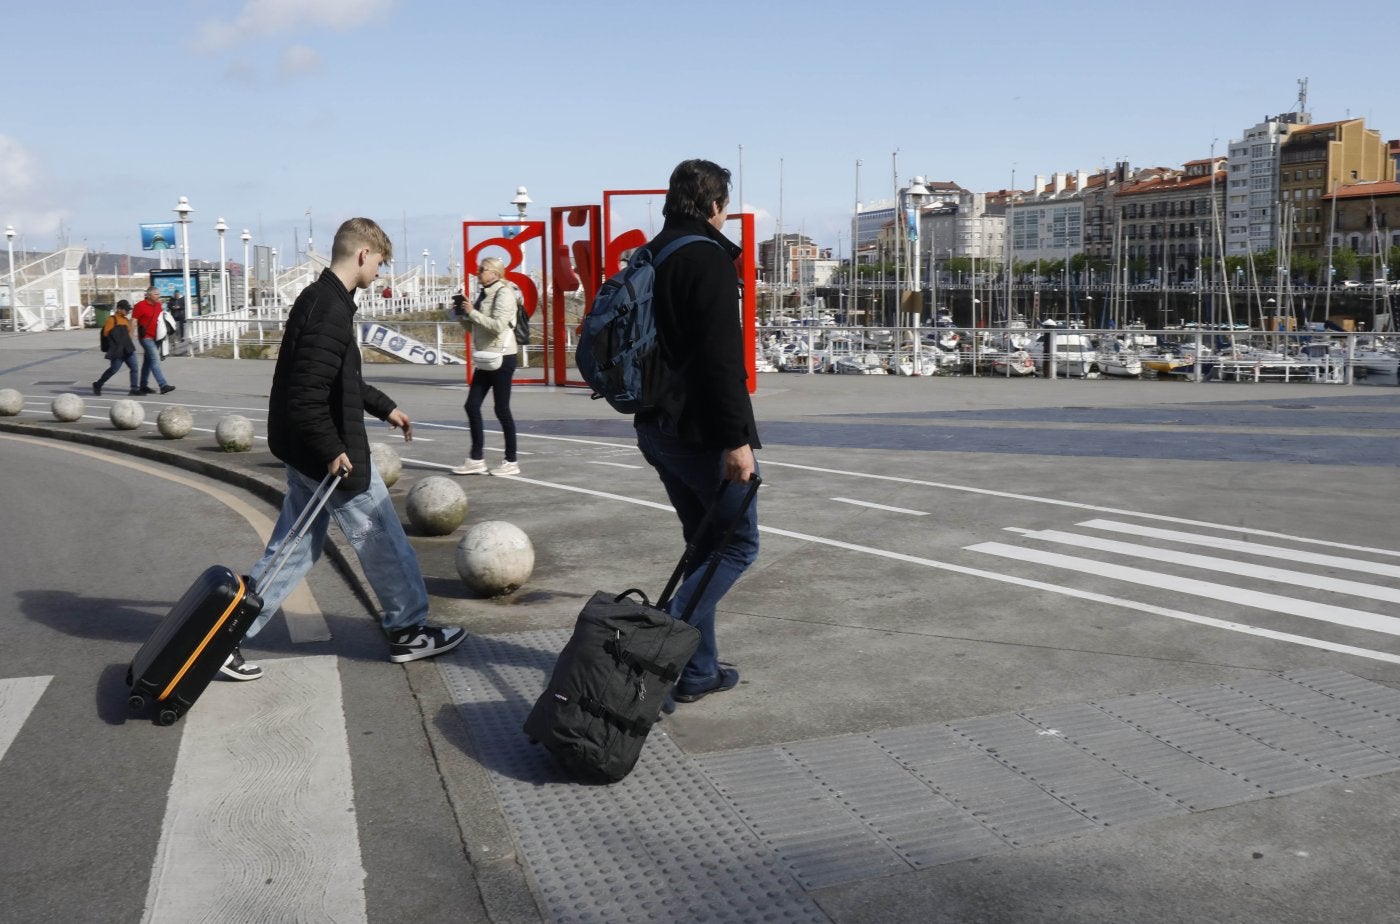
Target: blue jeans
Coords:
[[369, 521], [130, 361], [150, 362], [691, 477]]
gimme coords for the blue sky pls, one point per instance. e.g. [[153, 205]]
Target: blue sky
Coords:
[[420, 114]]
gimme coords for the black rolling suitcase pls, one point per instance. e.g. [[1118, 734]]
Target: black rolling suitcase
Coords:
[[616, 671], [196, 637]]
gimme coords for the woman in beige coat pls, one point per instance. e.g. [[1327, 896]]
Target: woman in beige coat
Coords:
[[491, 322]]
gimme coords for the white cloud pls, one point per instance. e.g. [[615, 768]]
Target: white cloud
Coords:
[[25, 198], [299, 59], [16, 168], [264, 18]]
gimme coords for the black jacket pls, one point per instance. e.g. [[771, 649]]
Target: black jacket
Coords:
[[318, 402], [696, 300]]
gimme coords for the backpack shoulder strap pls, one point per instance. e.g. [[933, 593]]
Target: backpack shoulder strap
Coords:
[[675, 245]]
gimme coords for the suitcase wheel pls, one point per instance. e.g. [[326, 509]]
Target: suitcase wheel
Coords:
[[136, 703], [167, 717]]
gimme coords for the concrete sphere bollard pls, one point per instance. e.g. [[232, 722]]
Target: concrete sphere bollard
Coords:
[[67, 407], [436, 505], [175, 422], [495, 558], [234, 433], [127, 414], [11, 402], [386, 460]]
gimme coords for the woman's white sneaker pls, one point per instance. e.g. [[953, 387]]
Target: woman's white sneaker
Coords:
[[506, 468], [471, 467]]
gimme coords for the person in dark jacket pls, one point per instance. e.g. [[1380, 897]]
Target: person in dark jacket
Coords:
[[704, 432], [315, 425], [117, 334]]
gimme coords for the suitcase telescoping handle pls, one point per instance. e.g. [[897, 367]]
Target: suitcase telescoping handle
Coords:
[[754, 482], [303, 523]]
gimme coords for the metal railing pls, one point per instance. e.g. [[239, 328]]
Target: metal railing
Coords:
[[1199, 355]]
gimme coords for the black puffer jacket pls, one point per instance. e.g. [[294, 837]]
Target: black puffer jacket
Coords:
[[318, 402], [696, 299]]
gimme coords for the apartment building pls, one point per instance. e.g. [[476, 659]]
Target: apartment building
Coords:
[[1367, 220], [1048, 222], [1316, 160], [1252, 196], [1167, 224]]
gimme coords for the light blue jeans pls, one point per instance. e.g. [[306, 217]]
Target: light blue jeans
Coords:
[[691, 477], [150, 362], [371, 523]]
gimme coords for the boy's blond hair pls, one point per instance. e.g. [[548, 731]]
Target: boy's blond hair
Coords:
[[361, 232]]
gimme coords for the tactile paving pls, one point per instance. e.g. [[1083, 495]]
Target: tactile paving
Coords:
[[741, 835], [662, 845]]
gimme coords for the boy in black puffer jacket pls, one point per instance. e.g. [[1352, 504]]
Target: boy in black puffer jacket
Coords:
[[315, 424]]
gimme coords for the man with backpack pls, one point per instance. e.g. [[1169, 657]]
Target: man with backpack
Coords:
[[698, 428]]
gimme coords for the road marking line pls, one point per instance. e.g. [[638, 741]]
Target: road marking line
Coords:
[[305, 623], [260, 820], [613, 464], [1056, 502], [1249, 548], [1209, 563], [1121, 602], [861, 503], [1075, 592], [1323, 612], [18, 697]]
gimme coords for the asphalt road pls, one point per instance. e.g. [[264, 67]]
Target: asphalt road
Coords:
[[94, 550]]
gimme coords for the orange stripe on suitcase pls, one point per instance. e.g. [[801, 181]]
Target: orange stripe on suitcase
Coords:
[[204, 642]]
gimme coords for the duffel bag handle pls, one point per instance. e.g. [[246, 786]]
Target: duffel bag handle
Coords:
[[733, 526]]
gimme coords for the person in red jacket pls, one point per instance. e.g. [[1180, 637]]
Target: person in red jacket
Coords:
[[147, 317]]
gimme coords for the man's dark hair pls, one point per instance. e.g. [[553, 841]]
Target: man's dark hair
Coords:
[[696, 187]]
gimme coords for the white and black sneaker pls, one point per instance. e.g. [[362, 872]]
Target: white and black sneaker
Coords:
[[423, 642], [235, 668]]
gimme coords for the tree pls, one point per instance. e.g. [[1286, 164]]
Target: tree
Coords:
[[1345, 262], [1303, 266]]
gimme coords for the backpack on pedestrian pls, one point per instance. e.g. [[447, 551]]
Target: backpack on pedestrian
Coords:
[[618, 354], [522, 324]]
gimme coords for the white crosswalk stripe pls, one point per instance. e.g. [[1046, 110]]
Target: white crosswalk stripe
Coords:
[[1210, 563], [1267, 603], [18, 697], [260, 820]]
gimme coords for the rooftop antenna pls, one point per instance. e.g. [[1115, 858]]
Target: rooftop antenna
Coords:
[[1302, 94]]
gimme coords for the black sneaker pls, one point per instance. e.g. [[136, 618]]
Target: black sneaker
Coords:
[[166, 389], [143, 390], [235, 668], [97, 389], [423, 642], [137, 391]]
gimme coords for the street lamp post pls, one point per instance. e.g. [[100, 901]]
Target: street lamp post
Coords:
[[14, 295], [425, 272], [221, 226], [245, 237], [521, 202], [916, 192], [183, 210], [274, 276]]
